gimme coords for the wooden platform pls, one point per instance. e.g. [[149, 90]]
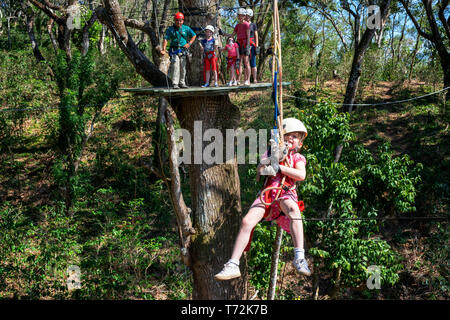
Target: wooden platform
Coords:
[[199, 91]]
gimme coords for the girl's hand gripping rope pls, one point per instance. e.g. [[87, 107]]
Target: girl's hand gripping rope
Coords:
[[271, 166]]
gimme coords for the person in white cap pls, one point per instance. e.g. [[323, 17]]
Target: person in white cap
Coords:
[[209, 56], [286, 209], [254, 43], [242, 33]]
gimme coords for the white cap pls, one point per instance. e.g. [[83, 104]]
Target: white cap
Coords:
[[250, 12], [294, 125], [210, 28], [242, 11]]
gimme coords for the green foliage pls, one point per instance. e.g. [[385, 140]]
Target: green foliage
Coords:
[[114, 245], [84, 88], [261, 255], [360, 185], [23, 84], [33, 265]]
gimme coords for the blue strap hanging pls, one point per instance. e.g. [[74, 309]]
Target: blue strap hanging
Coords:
[[276, 112]]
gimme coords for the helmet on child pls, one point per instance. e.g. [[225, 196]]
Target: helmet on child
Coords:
[[179, 16], [242, 11], [294, 125], [210, 28], [250, 12]]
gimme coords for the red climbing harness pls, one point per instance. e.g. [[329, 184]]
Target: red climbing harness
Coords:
[[271, 202]]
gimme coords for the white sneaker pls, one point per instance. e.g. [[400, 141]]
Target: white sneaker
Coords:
[[230, 83], [235, 83], [216, 84], [246, 83], [301, 265], [230, 271]]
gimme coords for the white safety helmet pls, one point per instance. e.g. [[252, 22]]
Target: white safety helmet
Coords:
[[242, 11], [250, 12], [210, 28], [294, 125]]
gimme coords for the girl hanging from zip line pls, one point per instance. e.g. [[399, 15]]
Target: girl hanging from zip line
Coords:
[[293, 168]]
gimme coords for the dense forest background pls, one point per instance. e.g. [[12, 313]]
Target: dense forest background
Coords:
[[84, 166]]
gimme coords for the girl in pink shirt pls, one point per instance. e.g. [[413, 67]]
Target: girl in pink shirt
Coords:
[[285, 209], [232, 49]]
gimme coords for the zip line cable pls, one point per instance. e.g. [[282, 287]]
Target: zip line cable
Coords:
[[372, 219], [286, 95], [372, 104]]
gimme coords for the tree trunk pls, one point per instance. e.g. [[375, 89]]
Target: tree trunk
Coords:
[[435, 36], [9, 33], [85, 41], [413, 59], [101, 41], [402, 35], [30, 29], [51, 35], [315, 281], [439, 44], [215, 190], [334, 292], [360, 50], [215, 198]]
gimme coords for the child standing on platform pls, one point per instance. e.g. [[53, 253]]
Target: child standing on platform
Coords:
[[181, 38], [209, 56], [232, 49], [242, 32], [254, 43]]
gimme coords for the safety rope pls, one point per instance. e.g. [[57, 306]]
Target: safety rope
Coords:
[[277, 75]]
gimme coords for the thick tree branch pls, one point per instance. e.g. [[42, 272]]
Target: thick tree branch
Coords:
[[333, 23], [346, 6], [112, 17], [87, 26], [51, 35], [144, 27], [52, 5], [445, 22], [424, 34], [48, 11], [358, 57], [30, 17], [182, 212], [163, 22]]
